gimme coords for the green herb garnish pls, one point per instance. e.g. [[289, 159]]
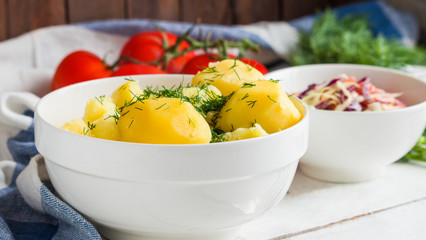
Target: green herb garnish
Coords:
[[100, 99], [271, 99], [251, 103], [248, 85], [350, 40]]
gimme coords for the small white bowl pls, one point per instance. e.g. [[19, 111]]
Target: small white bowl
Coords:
[[357, 146], [132, 190]]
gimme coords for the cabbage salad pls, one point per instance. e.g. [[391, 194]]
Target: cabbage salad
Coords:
[[349, 94]]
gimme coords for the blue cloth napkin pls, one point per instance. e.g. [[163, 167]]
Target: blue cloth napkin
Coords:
[[29, 206], [37, 213]]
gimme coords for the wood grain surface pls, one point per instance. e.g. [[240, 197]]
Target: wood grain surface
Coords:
[[20, 16]]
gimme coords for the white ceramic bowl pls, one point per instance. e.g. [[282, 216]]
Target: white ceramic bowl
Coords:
[[132, 191], [357, 146]]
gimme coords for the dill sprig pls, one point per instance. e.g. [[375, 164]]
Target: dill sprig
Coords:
[[248, 85], [350, 40], [131, 122], [214, 104], [245, 96], [271, 99], [85, 131], [129, 79], [251, 103], [191, 122], [90, 125], [116, 116], [100, 99]]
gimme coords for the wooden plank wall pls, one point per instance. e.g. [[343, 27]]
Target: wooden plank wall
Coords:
[[20, 16]]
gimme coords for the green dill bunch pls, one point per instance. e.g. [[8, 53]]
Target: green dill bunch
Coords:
[[350, 40]]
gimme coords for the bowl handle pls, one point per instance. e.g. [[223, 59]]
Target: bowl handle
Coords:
[[12, 106]]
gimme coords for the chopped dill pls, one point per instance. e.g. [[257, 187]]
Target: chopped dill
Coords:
[[217, 75], [100, 99], [217, 135], [233, 68], [160, 106], [125, 113], [235, 63], [229, 109], [214, 103], [129, 79], [85, 131], [248, 85], [191, 122], [91, 126], [131, 123], [245, 96], [271, 99], [210, 70], [236, 73], [116, 116], [251, 103], [249, 67]]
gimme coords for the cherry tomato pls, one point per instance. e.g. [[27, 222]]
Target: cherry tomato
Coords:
[[78, 67], [148, 47], [202, 61], [134, 69]]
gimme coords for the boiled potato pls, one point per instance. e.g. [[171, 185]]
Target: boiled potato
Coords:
[[264, 102], [245, 133], [106, 128], [125, 94], [163, 121], [97, 107], [77, 126], [227, 75]]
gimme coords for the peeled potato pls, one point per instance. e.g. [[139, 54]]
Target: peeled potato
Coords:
[[245, 133], [263, 102], [77, 126], [126, 94], [97, 107], [163, 121], [227, 75], [106, 128]]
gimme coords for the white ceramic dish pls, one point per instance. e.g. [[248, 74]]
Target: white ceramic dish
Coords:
[[357, 146], [148, 191]]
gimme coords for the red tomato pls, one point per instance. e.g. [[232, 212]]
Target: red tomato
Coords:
[[202, 61], [78, 67], [135, 69], [147, 47]]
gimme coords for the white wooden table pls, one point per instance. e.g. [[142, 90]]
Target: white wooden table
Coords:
[[392, 207]]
